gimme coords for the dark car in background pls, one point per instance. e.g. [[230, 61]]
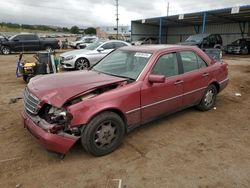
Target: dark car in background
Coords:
[[28, 42], [204, 41], [240, 46]]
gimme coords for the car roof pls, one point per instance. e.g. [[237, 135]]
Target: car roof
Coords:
[[158, 48]]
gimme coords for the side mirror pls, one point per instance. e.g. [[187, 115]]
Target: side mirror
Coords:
[[156, 78], [100, 49]]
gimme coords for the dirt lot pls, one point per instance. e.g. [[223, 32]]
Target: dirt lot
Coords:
[[188, 149]]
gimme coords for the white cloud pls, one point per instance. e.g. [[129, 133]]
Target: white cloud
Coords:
[[99, 12]]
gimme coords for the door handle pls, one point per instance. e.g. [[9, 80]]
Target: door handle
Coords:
[[178, 82], [205, 74]]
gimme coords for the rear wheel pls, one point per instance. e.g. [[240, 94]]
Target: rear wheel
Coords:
[[5, 50], [103, 134], [209, 98], [82, 64]]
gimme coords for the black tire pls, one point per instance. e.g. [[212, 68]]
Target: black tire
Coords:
[[81, 64], [103, 134], [209, 99], [5, 50], [27, 78]]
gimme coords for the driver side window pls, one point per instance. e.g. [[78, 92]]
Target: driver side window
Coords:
[[166, 65]]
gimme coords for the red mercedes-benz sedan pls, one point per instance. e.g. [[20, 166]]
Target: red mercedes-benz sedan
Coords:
[[129, 87]]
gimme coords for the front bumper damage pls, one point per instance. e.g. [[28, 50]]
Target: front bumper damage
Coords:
[[59, 142]]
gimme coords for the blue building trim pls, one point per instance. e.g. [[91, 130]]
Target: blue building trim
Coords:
[[204, 22]]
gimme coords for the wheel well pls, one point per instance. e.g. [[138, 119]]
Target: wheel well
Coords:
[[4, 46], [217, 46], [217, 85], [118, 112]]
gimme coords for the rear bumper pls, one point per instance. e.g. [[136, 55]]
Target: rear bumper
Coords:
[[59, 143], [223, 83]]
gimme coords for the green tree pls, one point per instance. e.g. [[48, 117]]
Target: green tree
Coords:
[[90, 31], [74, 30]]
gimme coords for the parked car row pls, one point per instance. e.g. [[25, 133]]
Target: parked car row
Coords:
[[206, 41]]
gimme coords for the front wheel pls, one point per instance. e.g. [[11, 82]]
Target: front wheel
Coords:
[[82, 64], [5, 50], [103, 134], [209, 98]]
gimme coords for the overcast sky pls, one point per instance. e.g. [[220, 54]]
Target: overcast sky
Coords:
[[100, 12]]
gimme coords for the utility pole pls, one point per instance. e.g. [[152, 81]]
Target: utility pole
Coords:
[[168, 9], [117, 18]]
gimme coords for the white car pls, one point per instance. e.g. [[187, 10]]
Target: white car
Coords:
[[84, 58], [82, 42]]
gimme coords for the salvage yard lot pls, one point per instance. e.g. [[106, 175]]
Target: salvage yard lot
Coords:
[[187, 149]]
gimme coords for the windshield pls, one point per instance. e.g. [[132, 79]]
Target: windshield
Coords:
[[94, 45], [128, 64], [89, 40], [196, 38], [12, 37]]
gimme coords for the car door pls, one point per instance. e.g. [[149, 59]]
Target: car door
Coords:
[[160, 98], [30, 42], [195, 77], [17, 43]]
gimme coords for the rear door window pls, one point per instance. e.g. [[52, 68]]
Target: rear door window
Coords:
[[119, 44], [30, 37], [189, 61], [108, 46]]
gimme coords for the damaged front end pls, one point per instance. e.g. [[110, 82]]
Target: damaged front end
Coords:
[[49, 124], [52, 125]]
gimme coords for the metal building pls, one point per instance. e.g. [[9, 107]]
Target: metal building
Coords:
[[230, 23]]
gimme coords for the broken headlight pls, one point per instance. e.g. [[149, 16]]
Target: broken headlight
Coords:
[[58, 115]]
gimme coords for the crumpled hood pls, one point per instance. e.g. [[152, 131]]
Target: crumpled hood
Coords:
[[56, 89], [76, 52]]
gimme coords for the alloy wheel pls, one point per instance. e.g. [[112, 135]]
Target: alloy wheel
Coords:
[[105, 134], [82, 64], [209, 98]]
